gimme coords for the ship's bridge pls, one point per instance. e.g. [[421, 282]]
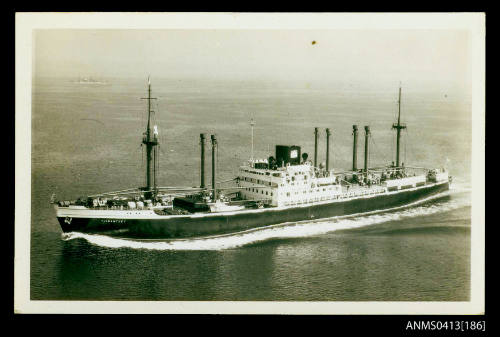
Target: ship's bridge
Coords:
[[287, 185]]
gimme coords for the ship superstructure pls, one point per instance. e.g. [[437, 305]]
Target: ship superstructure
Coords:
[[287, 187]]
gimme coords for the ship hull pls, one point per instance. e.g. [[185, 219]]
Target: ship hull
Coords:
[[211, 224]]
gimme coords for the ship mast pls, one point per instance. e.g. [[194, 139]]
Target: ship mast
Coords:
[[151, 141], [398, 128]]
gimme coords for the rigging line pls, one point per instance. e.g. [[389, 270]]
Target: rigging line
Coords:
[[411, 145], [158, 166], [161, 149], [161, 141], [393, 141], [217, 161], [142, 157], [370, 152], [395, 118], [404, 145], [156, 107], [142, 163], [161, 137], [143, 122], [199, 166], [377, 151], [406, 140], [155, 153]]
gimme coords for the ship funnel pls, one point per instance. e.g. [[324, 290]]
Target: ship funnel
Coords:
[[354, 148], [214, 149], [328, 134], [367, 135], [315, 147], [304, 157], [202, 160]]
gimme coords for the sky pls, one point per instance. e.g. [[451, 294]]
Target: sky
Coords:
[[314, 55]]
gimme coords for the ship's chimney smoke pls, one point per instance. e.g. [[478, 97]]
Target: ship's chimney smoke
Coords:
[[354, 148], [315, 147], [214, 148], [328, 134], [202, 161], [367, 134]]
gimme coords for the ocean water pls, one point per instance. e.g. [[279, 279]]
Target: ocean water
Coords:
[[86, 139]]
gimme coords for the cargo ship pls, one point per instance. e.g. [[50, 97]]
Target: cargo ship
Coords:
[[285, 188]]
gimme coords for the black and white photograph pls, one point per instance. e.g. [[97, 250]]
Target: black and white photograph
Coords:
[[294, 163]]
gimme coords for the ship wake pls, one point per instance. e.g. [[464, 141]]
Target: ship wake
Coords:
[[457, 197]]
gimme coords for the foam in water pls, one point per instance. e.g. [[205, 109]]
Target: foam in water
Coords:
[[291, 230]]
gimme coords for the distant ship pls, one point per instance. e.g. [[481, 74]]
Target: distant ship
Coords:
[[89, 80], [287, 187]]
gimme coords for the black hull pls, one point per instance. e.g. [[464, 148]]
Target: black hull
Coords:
[[219, 224]]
